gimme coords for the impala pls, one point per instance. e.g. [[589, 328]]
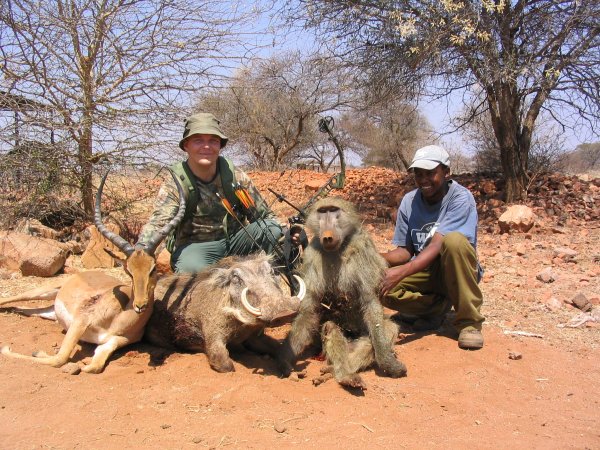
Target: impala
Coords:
[[97, 308]]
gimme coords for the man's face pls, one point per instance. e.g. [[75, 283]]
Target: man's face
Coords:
[[203, 149], [432, 183]]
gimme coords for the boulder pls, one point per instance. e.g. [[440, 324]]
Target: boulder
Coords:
[[34, 227], [580, 301], [31, 255], [163, 262], [564, 253], [94, 256], [547, 275], [312, 185], [518, 218]]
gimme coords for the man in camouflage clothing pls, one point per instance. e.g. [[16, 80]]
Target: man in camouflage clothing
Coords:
[[209, 233]]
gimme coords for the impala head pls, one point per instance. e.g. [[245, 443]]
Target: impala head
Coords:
[[140, 261]]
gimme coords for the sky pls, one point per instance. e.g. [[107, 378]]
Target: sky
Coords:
[[273, 38], [438, 112]]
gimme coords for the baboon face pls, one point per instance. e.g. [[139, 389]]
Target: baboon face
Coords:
[[329, 235], [332, 220]]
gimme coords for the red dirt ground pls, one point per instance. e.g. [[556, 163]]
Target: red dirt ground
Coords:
[[451, 399]]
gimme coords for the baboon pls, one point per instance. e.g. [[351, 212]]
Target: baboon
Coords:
[[342, 270]]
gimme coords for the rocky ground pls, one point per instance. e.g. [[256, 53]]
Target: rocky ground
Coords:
[[535, 384]]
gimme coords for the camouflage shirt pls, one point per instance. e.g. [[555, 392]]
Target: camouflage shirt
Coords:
[[210, 221]]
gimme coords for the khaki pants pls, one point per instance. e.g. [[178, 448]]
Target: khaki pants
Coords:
[[451, 281], [193, 257]]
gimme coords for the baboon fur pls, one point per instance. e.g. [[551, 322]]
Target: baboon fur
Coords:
[[342, 270]]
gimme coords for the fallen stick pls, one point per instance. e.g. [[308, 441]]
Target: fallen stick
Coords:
[[523, 333], [362, 425]]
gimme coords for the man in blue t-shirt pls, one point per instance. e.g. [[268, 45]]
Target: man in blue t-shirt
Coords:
[[434, 266]]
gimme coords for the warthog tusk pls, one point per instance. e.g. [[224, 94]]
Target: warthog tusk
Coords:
[[301, 289], [251, 309]]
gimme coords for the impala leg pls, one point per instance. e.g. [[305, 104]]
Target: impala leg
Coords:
[[47, 292], [72, 336], [45, 313], [103, 352]]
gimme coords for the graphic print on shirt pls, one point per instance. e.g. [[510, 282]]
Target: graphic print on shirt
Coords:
[[422, 237]]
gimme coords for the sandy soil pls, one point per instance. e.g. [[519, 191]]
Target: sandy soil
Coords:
[[147, 398]]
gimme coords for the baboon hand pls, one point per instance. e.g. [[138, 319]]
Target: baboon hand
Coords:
[[353, 381]]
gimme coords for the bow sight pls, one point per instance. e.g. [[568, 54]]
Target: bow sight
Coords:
[[337, 181], [287, 255]]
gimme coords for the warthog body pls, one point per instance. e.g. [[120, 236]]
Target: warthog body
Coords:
[[230, 302]]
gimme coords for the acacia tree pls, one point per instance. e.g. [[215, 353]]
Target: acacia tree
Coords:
[[270, 108], [514, 59], [388, 131], [110, 73], [545, 153]]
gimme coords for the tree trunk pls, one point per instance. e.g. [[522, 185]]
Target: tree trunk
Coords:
[[86, 166], [514, 144], [515, 176]]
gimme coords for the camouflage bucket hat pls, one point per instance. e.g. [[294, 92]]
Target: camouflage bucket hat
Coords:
[[202, 123]]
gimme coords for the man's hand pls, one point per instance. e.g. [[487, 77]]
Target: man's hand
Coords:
[[393, 276], [404, 267], [296, 234]]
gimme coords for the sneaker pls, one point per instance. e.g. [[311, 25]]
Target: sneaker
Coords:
[[428, 323], [470, 339]]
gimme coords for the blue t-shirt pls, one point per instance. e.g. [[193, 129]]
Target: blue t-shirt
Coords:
[[418, 221]]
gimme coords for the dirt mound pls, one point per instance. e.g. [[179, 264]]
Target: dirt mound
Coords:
[[556, 199]]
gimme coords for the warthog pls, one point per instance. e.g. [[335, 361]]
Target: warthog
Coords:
[[229, 303]]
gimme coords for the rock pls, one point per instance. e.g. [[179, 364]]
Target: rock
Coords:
[[32, 256], [515, 356], [74, 247], [94, 256], [312, 185], [6, 274], [558, 230], [517, 218], [34, 227], [581, 302], [163, 262], [553, 304], [547, 275], [520, 250], [564, 253], [280, 428], [294, 377], [70, 265], [71, 368]]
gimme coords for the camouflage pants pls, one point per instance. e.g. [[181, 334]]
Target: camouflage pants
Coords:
[[451, 281], [195, 256]]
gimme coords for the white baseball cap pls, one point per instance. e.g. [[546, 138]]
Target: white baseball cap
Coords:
[[430, 157]]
